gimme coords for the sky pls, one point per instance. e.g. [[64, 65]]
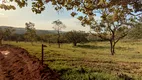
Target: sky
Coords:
[[18, 18]]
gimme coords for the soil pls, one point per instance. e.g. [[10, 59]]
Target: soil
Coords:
[[17, 64]]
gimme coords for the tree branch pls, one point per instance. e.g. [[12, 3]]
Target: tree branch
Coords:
[[120, 38]]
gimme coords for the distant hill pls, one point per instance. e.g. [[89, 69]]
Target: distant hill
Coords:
[[22, 30]]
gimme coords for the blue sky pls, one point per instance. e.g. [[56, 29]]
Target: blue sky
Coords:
[[19, 17]]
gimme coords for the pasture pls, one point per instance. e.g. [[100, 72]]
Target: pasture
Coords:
[[91, 61]]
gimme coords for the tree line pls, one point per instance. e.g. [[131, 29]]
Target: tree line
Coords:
[[74, 37], [8, 34], [117, 17]]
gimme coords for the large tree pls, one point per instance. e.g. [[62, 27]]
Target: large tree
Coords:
[[113, 25], [58, 26]]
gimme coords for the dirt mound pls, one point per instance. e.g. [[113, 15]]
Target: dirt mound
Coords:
[[17, 64]]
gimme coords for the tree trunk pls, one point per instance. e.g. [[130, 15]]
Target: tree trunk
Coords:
[[0, 41], [112, 43], [112, 48], [1, 38], [74, 44], [58, 43], [58, 39]]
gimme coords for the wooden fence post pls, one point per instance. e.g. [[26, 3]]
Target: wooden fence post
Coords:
[[42, 53]]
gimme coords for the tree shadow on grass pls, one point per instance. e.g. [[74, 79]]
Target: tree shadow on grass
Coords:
[[93, 47]]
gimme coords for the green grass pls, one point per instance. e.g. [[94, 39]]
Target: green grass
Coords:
[[91, 61]]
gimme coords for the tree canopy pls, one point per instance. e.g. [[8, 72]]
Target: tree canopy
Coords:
[[76, 37], [85, 6], [89, 8], [30, 34], [5, 33]]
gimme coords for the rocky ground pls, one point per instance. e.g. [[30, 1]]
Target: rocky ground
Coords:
[[17, 64]]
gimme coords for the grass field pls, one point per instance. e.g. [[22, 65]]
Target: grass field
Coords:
[[91, 61]]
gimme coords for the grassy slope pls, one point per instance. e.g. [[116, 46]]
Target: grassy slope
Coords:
[[92, 60]]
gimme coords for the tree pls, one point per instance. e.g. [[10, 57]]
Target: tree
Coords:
[[17, 37], [1, 36], [58, 26], [136, 32], [9, 32], [76, 37], [48, 38], [113, 26], [45, 38], [5, 33], [30, 34]]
